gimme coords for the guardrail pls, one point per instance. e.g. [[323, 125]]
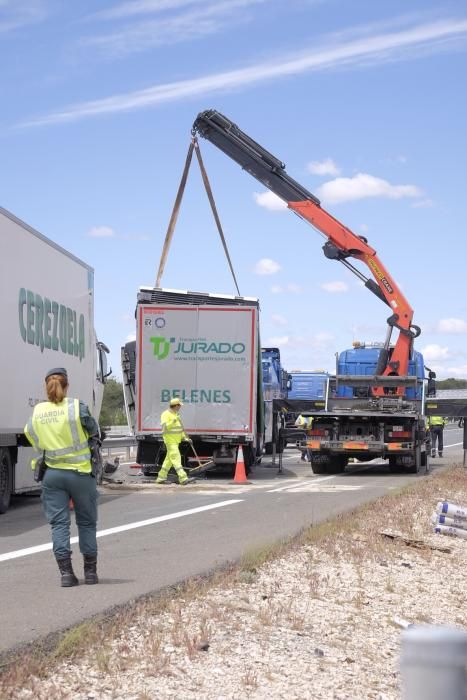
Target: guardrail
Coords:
[[120, 445]]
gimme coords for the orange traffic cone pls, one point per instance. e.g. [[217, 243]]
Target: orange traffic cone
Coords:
[[240, 472]]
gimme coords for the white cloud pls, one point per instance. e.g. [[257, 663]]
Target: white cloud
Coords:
[[362, 186], [266, 266], [323, 167], [425, 203], [130, 337], [435, 352], [451, 325], [335, 287], [459, 371], [322, 337], [364, 228], [279, 320], [142, 7], [15, 14], [108, 232], [290, 288], [277, 341], [270, 201], [369, 50], [101, 232], [172, 26]]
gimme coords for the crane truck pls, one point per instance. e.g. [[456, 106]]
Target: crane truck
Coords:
[[47, 299], [381, 413]]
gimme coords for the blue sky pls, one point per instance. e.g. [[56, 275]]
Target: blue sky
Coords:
[[364, 101]]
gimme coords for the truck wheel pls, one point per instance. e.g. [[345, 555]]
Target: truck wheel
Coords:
[[337, 464], [425, 461], [417, 461], [319, 463], [6, 479], [394, 466], [268, 448], [319, 468]]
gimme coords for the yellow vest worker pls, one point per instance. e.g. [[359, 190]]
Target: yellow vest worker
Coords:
[[172, 434], [436, 426], [304, 423]]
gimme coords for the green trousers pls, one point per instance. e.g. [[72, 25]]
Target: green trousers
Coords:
[[58, 486], [172, 459]]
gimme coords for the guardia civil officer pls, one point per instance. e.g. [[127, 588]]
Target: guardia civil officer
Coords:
[[58, 430], [173, 434]]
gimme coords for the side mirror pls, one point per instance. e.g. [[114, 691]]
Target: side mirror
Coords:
[[102, 372]]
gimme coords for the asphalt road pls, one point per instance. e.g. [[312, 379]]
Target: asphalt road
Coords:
[[158, 536]]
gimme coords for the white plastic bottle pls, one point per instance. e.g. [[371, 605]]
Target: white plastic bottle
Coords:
[[451, 510], [452, 531], [450, 522]]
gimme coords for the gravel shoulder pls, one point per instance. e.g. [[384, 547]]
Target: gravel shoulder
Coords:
[[319, 617]]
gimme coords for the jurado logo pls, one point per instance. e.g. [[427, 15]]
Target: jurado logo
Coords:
[[162, 346]]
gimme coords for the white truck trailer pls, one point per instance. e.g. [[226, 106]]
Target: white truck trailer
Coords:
[[47, 312], [204, 349]]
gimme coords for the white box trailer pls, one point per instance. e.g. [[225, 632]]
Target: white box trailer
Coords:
[[203, 349], [47, 317]]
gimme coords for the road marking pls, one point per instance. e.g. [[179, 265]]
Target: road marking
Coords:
[[301, 483], [325, 488], [121, 528], [454, 444]]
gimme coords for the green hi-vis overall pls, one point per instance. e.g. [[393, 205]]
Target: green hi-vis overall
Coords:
[[173, 434], [56, 430]]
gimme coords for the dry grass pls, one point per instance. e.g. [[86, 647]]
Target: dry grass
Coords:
[[171, 630]]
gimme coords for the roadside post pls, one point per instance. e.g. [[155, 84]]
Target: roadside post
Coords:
[[465, 442], [433, 663]]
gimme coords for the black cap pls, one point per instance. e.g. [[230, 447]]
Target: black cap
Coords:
[[57, 370]]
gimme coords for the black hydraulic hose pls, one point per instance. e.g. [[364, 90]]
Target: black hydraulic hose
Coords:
[[252, 157]]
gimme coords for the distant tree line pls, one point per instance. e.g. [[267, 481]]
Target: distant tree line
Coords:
[[113, 405], [451, 383]]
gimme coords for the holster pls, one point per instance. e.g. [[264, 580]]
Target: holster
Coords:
[[96, 456], [40, 469]]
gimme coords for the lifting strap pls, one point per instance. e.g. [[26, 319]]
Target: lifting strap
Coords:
[[194, 145]]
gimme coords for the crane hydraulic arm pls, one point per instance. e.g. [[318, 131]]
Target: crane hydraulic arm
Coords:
[[341, 245]]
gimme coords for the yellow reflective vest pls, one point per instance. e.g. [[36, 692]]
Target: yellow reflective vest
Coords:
[[436, 420], [55, 429], [304, 422], [172, 428]]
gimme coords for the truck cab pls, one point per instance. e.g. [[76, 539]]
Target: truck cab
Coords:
[[276, 385]]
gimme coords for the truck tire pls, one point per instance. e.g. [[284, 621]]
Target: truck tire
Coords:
[[6, 479], [337, 464], [319, 463], [394, 466], [425, 461], [417, 461]]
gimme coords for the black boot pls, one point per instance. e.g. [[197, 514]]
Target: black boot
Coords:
[[90, 566], [66, 570]]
